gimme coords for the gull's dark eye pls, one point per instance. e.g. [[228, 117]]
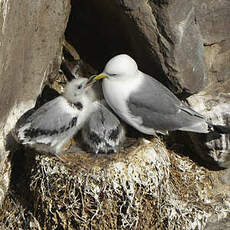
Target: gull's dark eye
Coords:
[[113, 74]]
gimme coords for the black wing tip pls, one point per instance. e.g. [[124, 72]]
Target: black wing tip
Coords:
[[221, 129]]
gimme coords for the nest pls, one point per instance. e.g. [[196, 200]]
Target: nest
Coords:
[[16, 216], [146, 187]]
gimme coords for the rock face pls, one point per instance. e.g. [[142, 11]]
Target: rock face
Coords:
[[31, 41], [213, 18], [214, 103], [179, 43]]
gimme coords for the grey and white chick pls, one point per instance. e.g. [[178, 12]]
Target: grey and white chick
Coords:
[[102, 133], [50, 128]]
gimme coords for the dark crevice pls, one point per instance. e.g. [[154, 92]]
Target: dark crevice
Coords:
[[180, 143], [100, 31]]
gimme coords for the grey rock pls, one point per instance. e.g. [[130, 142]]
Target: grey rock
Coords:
[[213, 18], [225, 177], [219, 225], [31, 38], [180, 44], [214, 103]]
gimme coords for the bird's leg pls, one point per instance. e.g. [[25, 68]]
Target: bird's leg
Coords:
[[71, 147], [67, 145]]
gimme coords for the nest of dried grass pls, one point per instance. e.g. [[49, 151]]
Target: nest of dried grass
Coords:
[[144, 188]]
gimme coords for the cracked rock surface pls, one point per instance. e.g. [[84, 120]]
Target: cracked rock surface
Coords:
[[31, 38]]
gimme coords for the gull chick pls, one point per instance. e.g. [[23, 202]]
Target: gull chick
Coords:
[[145, 103], [102, 133], [50, 128]]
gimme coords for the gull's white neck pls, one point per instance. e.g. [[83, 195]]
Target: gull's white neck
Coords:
[[117, 90]]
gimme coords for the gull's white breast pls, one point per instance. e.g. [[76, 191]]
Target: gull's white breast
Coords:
[[117, 92]]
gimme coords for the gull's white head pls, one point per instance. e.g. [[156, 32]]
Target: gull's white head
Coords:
[[119, 66]]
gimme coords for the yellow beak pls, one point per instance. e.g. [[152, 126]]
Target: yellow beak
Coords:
[[94, 78], [100, 76]]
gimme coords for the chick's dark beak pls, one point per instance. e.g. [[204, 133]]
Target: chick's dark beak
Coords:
[[94, 78], [90, 81]]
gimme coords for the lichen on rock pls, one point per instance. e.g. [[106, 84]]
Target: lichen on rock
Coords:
[[213, 102]]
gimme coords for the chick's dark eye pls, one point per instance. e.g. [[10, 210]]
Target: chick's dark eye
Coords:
[[79, 87]]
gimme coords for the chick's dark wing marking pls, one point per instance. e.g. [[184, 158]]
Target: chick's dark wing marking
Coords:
[[52, 118]]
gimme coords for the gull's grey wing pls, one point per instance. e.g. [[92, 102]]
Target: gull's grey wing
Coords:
[[160, 109], [52, 118]]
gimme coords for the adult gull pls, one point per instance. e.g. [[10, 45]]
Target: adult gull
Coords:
[[146, 104]]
